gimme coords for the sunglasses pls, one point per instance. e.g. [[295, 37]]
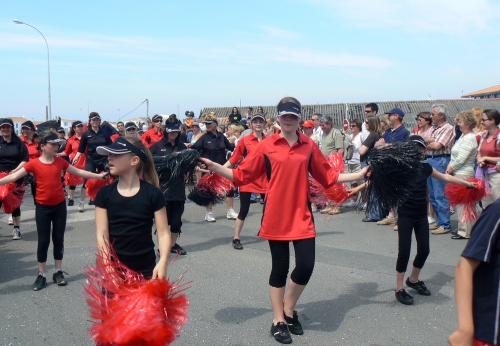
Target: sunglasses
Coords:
[[354, 125], [157, 121], [482, 119], [95, 119], [5, 127]]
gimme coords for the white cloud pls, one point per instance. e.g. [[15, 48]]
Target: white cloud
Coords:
[[454, 17], [280, 33]]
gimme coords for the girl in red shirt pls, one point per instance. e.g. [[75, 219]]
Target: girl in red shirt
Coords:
[[50, 205], [489, 154], [246, 146], [287, 158], [28, 137], [70, 152]]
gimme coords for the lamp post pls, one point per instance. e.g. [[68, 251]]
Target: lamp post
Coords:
[[48, 61]]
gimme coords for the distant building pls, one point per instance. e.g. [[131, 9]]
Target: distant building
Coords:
[[492, 92]]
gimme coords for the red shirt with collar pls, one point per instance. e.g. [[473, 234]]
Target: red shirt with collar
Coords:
[[49, 187], [151, 136], [32, 147], [287, 213], [71, 149], [246, 146]]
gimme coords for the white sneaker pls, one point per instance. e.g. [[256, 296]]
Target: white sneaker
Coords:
[[16, 233], [430, 219], [11, 220], [231, 214], [209, 217], [81, 206]]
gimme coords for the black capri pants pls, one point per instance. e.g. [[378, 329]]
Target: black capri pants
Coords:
[[304, 261], [245, 203], [48, 217], [405, 227], [175, 209], [95, 165]]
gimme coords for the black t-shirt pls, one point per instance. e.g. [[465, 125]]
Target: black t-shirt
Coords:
[[130, 222], [91, 140], [416, 205], [12, 154], [213, 147], [369, 142], [484, 246], [234, 118], [176, 190]]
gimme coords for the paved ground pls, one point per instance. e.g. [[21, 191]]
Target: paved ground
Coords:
[[349, 301]]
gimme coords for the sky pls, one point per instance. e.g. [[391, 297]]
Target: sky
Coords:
[[108, 56]]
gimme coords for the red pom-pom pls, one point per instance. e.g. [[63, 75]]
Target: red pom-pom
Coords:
[[460, 194], [130, 310], [338, 193], [11, 195], [94, 185], [211, 188]]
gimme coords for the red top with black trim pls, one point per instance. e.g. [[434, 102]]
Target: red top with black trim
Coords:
[[33, 150], [246, 146], [115, 137], [71, 149], [151, 136], [287, 213], [49, 187]]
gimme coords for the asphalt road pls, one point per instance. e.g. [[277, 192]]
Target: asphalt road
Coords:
[[349, 300]]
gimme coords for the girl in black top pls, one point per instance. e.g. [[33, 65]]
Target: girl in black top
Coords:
[[13, 156], [214, 146], [126, 209], [175, 195], [412, 216]]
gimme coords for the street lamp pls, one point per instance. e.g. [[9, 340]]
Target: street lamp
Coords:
[[16, 21]]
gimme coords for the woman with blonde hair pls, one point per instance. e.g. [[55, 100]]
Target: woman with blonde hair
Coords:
[[462, 163]]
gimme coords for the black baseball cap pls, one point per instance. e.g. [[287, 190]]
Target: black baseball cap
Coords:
[[172, 127], [130, 125], [29, 125], [77, 123], [289, 105], [258, 116], [51, 138], [157, 117], [94, 115], [61, 130], [417, 140], [6, 121], [121, 146]]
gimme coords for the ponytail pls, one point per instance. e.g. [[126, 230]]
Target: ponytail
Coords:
[[146, 168]]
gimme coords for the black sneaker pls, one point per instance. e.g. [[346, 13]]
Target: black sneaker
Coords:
[[293, 324], [71, 202], [418, 286], [237, 244], [91, 202], [40, 283], [403, 297], [178, 250], [281, 333], [59, 279]]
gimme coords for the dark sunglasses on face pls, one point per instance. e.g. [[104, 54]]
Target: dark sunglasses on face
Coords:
[[4, 127], [482, 119], [157, 121]]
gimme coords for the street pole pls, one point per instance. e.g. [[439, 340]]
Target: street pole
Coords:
[[147, 108], [48, 60]]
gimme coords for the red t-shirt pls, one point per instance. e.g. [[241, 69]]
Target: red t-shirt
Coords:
[[151, 136], [286, 215], [49, 187], [33, 150], [246, 146], [71, 149], [490, 148]]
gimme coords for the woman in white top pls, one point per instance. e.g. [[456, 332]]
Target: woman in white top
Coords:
[[462, 162], [354, 164]]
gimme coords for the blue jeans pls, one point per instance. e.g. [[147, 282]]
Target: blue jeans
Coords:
[[436, 192]]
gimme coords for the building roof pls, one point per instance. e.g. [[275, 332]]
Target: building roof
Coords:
[[491, 90]]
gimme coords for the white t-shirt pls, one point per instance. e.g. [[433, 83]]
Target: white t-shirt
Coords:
[[356, 141], [364, 132]]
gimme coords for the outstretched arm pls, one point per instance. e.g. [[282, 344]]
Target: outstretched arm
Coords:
[[451, 179], [219, 169], [85, 174], [13, 176]]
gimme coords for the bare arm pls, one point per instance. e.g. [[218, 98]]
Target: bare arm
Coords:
[[84, 174], [219, 169], [164, 243], [450, 178], [345, 177], [463, 301], [363, 150], [102, 230], [77, 156], [21, 165], [13, 176]]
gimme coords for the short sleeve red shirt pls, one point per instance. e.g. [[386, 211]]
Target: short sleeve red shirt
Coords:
[[32, 147], [287, 215], [245, 147], [151, 136], [49, 188]]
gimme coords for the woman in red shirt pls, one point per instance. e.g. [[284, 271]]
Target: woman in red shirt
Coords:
[[246, 146], [50, 205], [489, 153], [287, 158], [28, 132], [70, 151]]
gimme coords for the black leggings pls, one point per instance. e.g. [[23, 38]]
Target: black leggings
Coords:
[[47, 216], [96, 165], [245, 204], [304, 261], [16, 212], [405, 227], [175, 209]]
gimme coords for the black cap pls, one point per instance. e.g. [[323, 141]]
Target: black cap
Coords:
[[51, 138], [157, 117], [76, 123], [418, 140], [121, 146], [258, 116], [61, 130], [289, 105], [28, 124], [6, 121], [130, 125], [172, 127], [94, 115]]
